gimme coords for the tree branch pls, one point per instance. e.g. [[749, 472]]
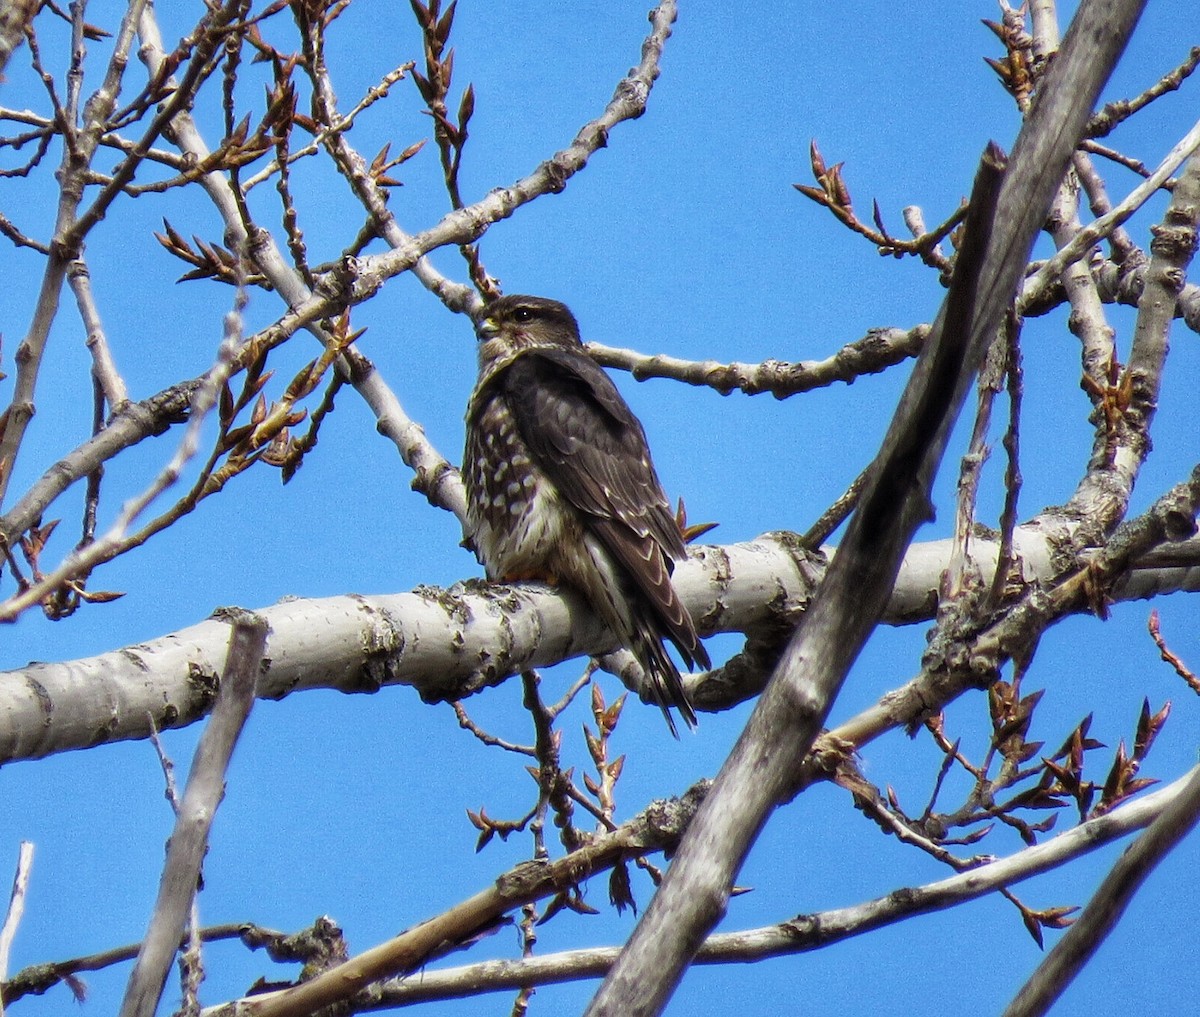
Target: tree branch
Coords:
[[657, 827], [1101, 915], [16, 908], [451, 644], [803, 933], [788, 716], [1035, 287], [203, 793], [878, 350]]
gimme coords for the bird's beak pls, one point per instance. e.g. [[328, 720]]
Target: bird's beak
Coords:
[[487, 328]]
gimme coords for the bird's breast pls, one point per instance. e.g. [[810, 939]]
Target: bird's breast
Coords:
[[518, 518]]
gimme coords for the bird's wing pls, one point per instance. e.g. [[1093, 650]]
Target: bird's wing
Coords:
[[589, 443]]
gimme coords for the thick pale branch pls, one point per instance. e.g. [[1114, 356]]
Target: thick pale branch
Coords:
[[449, 644]]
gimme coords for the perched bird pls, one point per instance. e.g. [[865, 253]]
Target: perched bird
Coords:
[[561, 489]]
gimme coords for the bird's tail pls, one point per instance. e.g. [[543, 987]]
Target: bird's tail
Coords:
[[641, 619], [664, 679]]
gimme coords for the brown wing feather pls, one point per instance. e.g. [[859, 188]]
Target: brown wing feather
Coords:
[[589, 443], [574, 419]]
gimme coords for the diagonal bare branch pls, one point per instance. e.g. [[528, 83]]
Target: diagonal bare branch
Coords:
[[754, 779], [189, 840], [1092, 927]]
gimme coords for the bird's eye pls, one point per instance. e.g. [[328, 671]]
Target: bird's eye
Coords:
[[523, 314]]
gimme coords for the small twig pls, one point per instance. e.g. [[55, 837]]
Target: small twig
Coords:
[[45, 129], [16, 908], [529, 937], [190, 964], [341, 125], [950, 756], [550, 777], [935, 725], [37, 978], [869, 801], [34, 160], [1121, 159], [82, 560], [835, 515], [589, 806], [1105, 909], [1114, 113], [962, 574], [833, 193], [1012, 451], [18, 238], [167, 764], [450, 135], [1123, 247], [103, 367], [578, 686], [1036, 286], [66, 599], [1181, 669], [467, 724], [914, 219], [65, 121]]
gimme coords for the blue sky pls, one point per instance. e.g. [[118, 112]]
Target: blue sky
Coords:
[[684, 236]]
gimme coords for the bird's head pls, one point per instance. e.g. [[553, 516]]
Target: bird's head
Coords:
[[515, 323]]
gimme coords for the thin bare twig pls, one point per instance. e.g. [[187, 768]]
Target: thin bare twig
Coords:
[[1116, 112], [657, 827], [1105, 909], [1036, 286], [1169, 656], [83, 559], [37, 978], [803, 933], [16, 908], [878, 350], [104, 369]]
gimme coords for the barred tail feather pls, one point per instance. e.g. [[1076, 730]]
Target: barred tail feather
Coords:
[[666, 683], [640, 628]]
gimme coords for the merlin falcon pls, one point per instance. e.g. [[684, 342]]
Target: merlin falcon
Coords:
[[561, 489]]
